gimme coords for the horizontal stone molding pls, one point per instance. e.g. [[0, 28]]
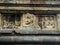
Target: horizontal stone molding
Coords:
[[31, 1], [37, 39], [33, 32], [30, 8]]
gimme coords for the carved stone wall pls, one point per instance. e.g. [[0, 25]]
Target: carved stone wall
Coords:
[[26, 21]]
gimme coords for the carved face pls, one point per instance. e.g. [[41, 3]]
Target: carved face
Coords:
[[28, 19]]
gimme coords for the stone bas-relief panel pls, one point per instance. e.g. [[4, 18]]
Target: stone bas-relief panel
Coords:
[[47, 22], [10, 21], [28, 22]]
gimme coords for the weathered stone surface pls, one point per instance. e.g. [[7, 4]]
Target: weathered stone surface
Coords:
[[0, 20], [58, 21], [30, 1], [6, 31], [37, 39], [30, 8], [30, 30], [37, 31]]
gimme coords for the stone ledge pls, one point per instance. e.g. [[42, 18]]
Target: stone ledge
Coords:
[[37, 39], [6, 31], [33, 32], [31, 2], [37, 31]]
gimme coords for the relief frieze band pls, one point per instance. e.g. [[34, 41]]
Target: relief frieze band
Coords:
[[28, 22]]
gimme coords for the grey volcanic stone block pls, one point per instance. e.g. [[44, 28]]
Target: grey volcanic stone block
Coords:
[[37, 31], [29, 39], [6, 31]]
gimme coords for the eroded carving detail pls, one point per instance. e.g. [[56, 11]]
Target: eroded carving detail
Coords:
[[28, 22], [47, 22]]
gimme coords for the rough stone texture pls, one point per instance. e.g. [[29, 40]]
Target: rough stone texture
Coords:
[[6, 31], [32, 31], [29, 30], [58, 21], [29, 8], [0, 20], [30, 1], [37, 39]]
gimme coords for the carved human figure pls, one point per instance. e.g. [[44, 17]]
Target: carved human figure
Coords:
[[29, 20]]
